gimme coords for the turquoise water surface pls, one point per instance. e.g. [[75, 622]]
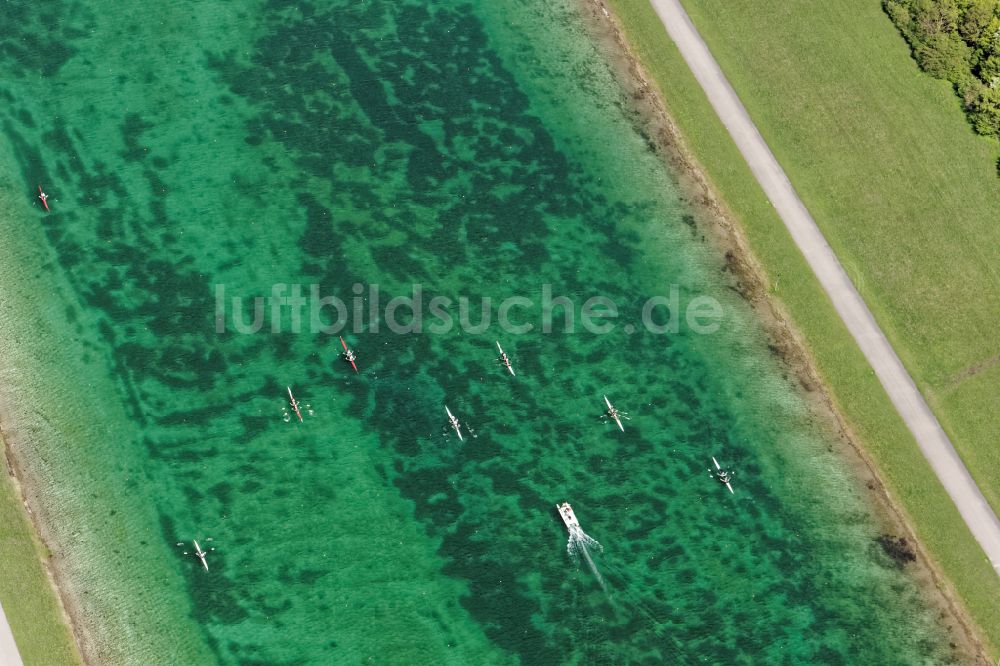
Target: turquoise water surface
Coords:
[[474, 149]]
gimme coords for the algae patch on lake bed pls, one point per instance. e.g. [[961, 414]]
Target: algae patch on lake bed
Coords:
[[478, 150]]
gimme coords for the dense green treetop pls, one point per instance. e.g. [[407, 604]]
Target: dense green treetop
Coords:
[[957, 40]]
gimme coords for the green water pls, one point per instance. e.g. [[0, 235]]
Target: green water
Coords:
[[475, 149]]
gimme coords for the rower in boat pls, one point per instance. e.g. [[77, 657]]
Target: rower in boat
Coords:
[[201, 554], [504, 359], [615, 414], [454, 423], [723, 476], [294, 403], [44, 198], [349, 355]]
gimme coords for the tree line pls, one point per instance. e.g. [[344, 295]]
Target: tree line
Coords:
[[957, 40]]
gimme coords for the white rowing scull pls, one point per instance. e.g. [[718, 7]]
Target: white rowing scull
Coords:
[[615, 414], [723, 476], [505, 360], [454, 423], [294, 403]]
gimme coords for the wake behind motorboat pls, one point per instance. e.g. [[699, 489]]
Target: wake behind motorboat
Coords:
[[453, 422], [722, 475], [580, 544], [615, 414]]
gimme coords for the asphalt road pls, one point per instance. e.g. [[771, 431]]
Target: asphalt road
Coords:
[[910, 404]]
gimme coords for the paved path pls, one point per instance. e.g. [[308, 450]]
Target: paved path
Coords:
[[910, 404], [9, 656]]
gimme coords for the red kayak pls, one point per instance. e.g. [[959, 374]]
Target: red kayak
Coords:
[[44, 198], [349, 355]]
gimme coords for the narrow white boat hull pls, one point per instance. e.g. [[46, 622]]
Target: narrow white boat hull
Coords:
[[454, 424], [719, 467], [505, 360]]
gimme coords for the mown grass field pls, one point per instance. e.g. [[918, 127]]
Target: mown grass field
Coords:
[[909, 198], [905, 192], [25, 593]]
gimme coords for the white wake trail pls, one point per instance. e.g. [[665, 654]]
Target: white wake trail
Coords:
[[579, 545]]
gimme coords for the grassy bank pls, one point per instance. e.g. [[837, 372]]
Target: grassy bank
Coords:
[[27, 597], [901, 187]]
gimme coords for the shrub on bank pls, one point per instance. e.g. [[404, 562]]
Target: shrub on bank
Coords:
[[957, 40]]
